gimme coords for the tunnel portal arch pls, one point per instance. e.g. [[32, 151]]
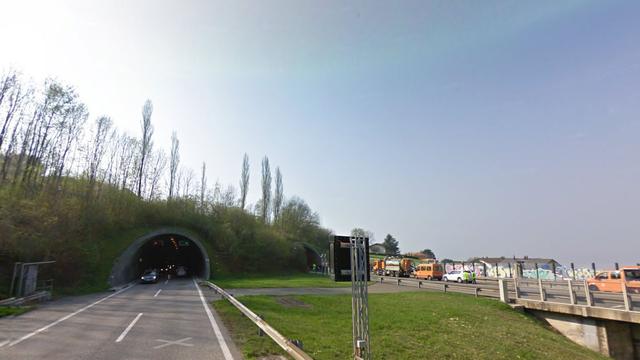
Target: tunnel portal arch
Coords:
[[311, 254], [125, 267]]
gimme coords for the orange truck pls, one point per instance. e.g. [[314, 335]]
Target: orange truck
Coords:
[[612, 280], [429, 271], [378, 266], [398, 267]]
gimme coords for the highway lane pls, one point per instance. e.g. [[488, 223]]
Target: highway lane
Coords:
[[155, 321]]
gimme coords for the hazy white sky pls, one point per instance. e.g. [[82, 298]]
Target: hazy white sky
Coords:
[[471, 128]]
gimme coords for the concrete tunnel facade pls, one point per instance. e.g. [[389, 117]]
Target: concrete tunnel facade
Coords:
[[164, 245]]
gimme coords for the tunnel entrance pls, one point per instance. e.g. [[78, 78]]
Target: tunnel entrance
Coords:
[[163, 250], [165, 253]]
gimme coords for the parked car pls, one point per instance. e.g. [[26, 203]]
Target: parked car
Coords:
[[455, 275], [612, 280], [149, 276], [429, 271]]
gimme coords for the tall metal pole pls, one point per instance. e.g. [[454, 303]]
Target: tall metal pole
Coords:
[[359, 299]]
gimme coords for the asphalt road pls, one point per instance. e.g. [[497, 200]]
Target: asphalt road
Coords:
[[167, 320]]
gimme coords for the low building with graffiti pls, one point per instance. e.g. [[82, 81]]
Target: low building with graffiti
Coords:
[[525, 267]]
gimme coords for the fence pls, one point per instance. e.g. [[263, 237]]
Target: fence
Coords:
[[560, 291]]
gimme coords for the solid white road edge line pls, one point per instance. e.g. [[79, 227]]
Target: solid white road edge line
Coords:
[[66, 317], [4, 343], [214, 325], [126, 331], [157, 292]]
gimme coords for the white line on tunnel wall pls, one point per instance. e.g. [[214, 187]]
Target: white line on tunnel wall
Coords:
[[214, 325], [157, 292], [126, 331], [67, 317]]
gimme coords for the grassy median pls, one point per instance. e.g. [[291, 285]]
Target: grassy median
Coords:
[[295, 280], [13, 310], [416, 325]]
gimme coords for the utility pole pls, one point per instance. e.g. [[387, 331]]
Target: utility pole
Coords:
[[360, 299]]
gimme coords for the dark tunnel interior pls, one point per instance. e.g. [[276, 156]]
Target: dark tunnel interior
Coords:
[[165, 253]]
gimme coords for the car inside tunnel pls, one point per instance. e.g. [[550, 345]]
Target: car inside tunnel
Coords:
[[166, 253]]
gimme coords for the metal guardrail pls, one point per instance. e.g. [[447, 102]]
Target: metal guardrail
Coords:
[[37, 296], [288, 346], [548, 291]]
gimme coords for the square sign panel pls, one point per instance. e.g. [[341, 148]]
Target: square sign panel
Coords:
[[340, 258]]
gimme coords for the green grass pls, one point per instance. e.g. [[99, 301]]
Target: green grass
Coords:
[[13, 310], [296, 280], [416, 325]]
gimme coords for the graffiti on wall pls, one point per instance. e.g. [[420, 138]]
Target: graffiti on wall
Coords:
[[508, 270]]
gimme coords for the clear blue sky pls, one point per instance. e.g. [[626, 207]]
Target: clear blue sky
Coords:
[[472, 128]]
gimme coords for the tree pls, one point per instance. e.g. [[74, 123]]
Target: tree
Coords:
[[391, 245], [360, 232], [188, 179], [278, 196], [265, 202], [174, 161], [297, 218], [428, 253], [244, 181], [146, 143], [158, 161], [98, 148], [203, 185]]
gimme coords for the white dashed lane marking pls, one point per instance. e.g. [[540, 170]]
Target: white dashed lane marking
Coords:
[[126, 331]]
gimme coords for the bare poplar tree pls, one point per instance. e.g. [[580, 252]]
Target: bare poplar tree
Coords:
[[146, 142], [159, 163], [174, 161], [278, 196], [111, 147], [97, 149], [19, 101], [244, 181], [127, 160], [203, 185], [266, 190], [228, 197], [179, 180], [188, 179], [10, 88]]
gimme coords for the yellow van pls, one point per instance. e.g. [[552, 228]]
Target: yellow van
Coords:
[[429, 271]]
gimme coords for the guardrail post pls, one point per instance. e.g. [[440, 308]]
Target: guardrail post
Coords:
[[572, 295], [444, 287], [516, 288], [476, 291], [419, 284], [625, 295], [587, 293], [543, 296], [260, 331], [504, 291], [398, 282]]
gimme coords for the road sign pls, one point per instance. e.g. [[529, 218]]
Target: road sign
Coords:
[[340, 258]]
